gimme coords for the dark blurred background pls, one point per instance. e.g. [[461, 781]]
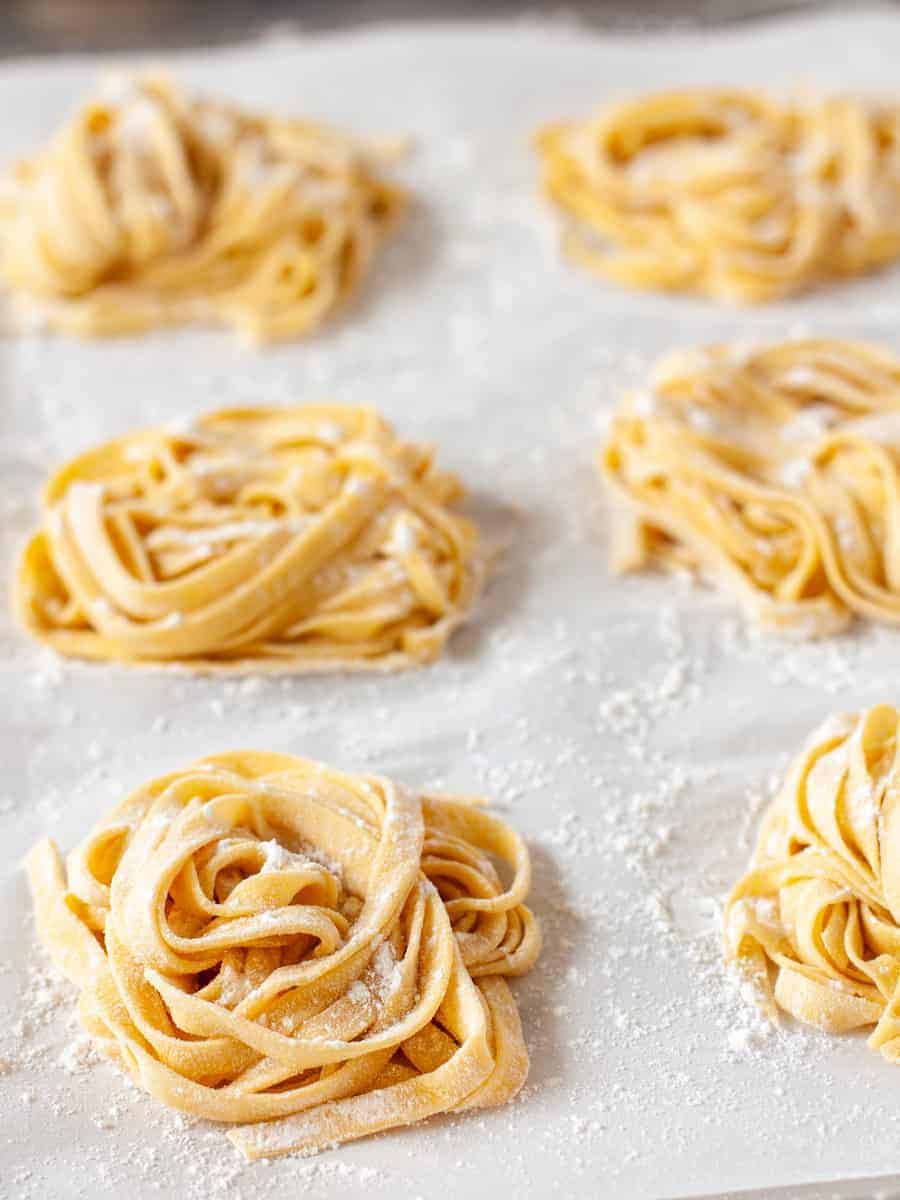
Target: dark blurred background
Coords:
[[52, 26]]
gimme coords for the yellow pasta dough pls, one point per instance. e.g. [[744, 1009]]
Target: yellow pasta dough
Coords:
[[772, 470], [734, 194], [293, 539], [816, 919], [151, 207], [309, 955]]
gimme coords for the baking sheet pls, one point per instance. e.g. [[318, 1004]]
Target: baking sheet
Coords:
[[631, 728]]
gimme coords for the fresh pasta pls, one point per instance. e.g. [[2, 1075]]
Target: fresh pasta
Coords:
[[262, 539], [733, 194], [773, 471], [816, 919], [151, 207], [307, 955]]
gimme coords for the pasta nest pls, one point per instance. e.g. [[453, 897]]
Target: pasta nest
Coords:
[[772, 470], [259, 938], [729, 193], [151, 207], [816, 919], [295, 539]]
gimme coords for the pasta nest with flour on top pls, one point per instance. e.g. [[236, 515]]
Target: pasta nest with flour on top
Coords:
[[774, 471], [151, 207], [309, 955], [733, 194], [816, 919], [294, 539]]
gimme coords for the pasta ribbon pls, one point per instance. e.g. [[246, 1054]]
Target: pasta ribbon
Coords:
[[308, 955], [151, 208], [816, 919], [733, 194], [295, 539], [774, 471]]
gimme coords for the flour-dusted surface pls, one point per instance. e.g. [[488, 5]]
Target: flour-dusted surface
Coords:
[[631, 728]]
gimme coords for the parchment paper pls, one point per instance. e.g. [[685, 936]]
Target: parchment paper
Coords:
[[630, 728]]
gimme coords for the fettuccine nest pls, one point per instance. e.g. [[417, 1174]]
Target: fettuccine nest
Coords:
[[152, 207], [734, 194], [296, 539], [773, 471], [310, 955], [816, 919]]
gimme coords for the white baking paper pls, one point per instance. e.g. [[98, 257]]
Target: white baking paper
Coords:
[[631, 728]]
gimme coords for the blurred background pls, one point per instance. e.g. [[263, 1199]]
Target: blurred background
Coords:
[[52, 26]]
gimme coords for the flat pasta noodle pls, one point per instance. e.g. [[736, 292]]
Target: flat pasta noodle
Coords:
[[816, 919], [734, 194], [263, 539], [771, 470], [151, 208], [308, 955]]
